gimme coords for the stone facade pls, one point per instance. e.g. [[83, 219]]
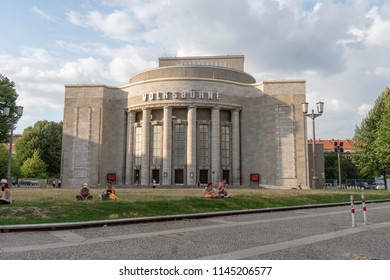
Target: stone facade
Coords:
[[190, 120]]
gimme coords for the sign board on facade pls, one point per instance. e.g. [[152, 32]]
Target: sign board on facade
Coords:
[[255, 177], [111, 176]]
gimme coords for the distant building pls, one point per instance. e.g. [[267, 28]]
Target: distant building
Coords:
[[322, 148], [15, 138], [320, 161], [344, 145]]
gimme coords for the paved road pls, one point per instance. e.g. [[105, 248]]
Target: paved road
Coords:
[[318, 233]]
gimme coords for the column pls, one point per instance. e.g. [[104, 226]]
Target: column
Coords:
[[191, 146], [236, 175], [215, 145], [167, 147], [145, 165], [129, 149]]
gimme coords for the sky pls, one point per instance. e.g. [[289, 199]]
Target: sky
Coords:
[[340, 48]]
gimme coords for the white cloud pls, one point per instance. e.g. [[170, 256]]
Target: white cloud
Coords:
[[116, 25], [364, 109], [43, 15]]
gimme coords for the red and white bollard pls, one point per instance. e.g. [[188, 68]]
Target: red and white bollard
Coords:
[[364, 209], [353, 210]]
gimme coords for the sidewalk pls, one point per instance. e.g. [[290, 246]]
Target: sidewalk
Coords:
[[60, 226]]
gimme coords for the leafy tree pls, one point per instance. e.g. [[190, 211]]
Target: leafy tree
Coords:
[[46, 138], [382, 142], [8, 96], [34, 167], [3, 161], [371, 149], [347, 166], [15, 167], [331, 169]]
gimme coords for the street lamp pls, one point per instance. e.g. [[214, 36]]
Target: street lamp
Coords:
[[13, 116], [338, 147], [312, 115]]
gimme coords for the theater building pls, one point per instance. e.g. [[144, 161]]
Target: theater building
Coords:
[[190, 120]]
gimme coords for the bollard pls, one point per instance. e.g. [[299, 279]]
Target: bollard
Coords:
[[364, 209], [353, 210]]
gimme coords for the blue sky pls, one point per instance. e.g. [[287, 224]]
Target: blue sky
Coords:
[[339, 47]]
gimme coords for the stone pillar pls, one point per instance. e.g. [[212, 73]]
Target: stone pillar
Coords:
[[215, 145], [167, 147], [236, 175], [145, 165], [130, 149], [191, 146]]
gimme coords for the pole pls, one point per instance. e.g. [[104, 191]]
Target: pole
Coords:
[[315, 178], [364, 209], [339, 166], [306, 149], [10, 154], [353, 210]]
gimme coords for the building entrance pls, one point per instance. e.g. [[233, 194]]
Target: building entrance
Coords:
[[179, 176], [136, 177], [225, 175], [156, 175], [203, 176]]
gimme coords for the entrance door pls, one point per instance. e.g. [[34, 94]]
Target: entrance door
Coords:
[[225, 175], [156, 175], [136, 177], [179, 176], [203, 176]]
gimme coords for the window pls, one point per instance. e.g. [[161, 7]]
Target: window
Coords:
[[225, 146], [179, 144], [156, 148], [204, 145], [138, 145]]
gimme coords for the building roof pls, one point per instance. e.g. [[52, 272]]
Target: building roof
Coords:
[[330, 143]]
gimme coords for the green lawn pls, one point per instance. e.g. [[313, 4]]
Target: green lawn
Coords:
[[49, 205]]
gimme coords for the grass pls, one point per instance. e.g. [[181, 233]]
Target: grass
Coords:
[[34, 205]]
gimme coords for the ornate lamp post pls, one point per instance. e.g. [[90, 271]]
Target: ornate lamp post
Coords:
[[13, 116], [313, 116]]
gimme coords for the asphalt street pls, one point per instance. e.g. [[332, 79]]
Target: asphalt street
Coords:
[[300, 234]]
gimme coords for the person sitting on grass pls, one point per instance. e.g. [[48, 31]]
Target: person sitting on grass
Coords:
[[209, 191], [84, 193], [6, 198], [222, 190], [109, 193]]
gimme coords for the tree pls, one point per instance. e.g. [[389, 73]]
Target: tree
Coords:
[[3, 161], [34, 167], [372, 153], [8, 96], [15, 167], [46, 138], [347, 166]]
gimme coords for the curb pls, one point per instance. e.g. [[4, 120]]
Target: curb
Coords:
[[73, 225]]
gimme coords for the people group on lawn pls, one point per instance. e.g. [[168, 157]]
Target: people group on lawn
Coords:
[[220, 192], [109, 193]]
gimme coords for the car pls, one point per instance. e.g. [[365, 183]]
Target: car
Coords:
[[363, 185], [378, 186]]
